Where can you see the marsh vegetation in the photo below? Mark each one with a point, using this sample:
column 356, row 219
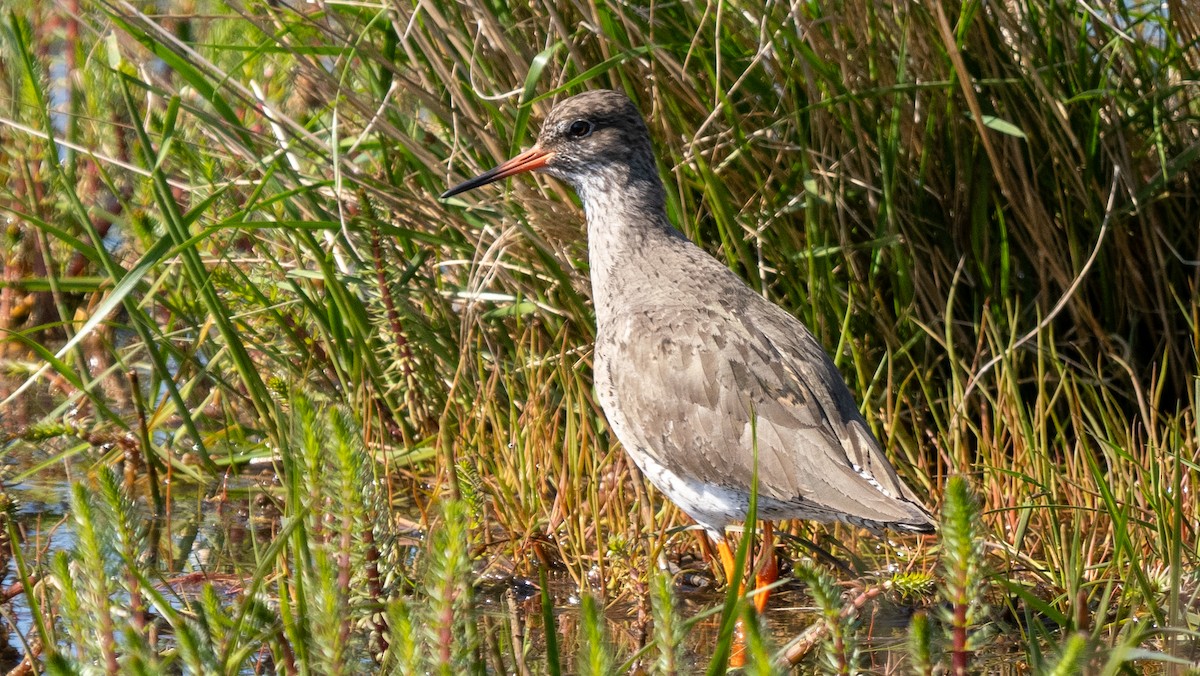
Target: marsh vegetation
column 267, row 405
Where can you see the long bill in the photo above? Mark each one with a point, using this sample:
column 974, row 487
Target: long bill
column 534, row 158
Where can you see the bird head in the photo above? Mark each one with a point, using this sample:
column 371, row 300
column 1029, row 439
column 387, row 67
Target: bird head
column 583, row 138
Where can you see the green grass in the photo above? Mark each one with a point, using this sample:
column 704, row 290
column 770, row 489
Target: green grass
column 223, row 247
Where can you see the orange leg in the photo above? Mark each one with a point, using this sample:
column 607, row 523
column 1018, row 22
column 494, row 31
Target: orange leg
column 766, row 573
column 737, row 653
column 727, row 562
column 767, row 570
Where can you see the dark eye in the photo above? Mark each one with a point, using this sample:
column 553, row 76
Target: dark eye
column 580, row 129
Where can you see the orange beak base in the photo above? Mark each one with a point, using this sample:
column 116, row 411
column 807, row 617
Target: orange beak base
column 534, row 158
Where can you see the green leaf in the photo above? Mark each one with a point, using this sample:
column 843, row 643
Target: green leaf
column 1003, row 126
column 527, row 94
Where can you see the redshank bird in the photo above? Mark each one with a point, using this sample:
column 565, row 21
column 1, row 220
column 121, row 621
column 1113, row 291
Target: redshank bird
column 690, row 362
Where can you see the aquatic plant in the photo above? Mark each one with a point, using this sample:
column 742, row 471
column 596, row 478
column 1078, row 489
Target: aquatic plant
column 984, row 211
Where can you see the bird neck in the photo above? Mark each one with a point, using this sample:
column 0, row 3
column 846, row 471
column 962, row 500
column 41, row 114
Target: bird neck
column 627, row 226
column 624, row 204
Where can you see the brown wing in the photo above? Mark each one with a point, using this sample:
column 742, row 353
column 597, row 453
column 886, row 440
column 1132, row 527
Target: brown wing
column 689, row 394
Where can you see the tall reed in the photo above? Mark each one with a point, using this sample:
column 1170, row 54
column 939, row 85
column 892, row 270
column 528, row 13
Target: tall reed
column 984, row 211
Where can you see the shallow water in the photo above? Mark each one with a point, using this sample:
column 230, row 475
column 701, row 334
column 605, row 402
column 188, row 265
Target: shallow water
column 214, row 532
column 210, row 533
column 517, row 602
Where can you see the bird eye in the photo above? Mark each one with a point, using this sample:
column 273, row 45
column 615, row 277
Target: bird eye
column 580, row 129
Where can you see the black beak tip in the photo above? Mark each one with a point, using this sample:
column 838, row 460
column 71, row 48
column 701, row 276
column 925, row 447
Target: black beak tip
column 463, row 187
column 451, row 192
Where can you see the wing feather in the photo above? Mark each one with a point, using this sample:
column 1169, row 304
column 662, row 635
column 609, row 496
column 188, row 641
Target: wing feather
column 688, row 389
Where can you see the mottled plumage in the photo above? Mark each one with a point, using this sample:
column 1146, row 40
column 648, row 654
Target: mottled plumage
column 687, row 355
